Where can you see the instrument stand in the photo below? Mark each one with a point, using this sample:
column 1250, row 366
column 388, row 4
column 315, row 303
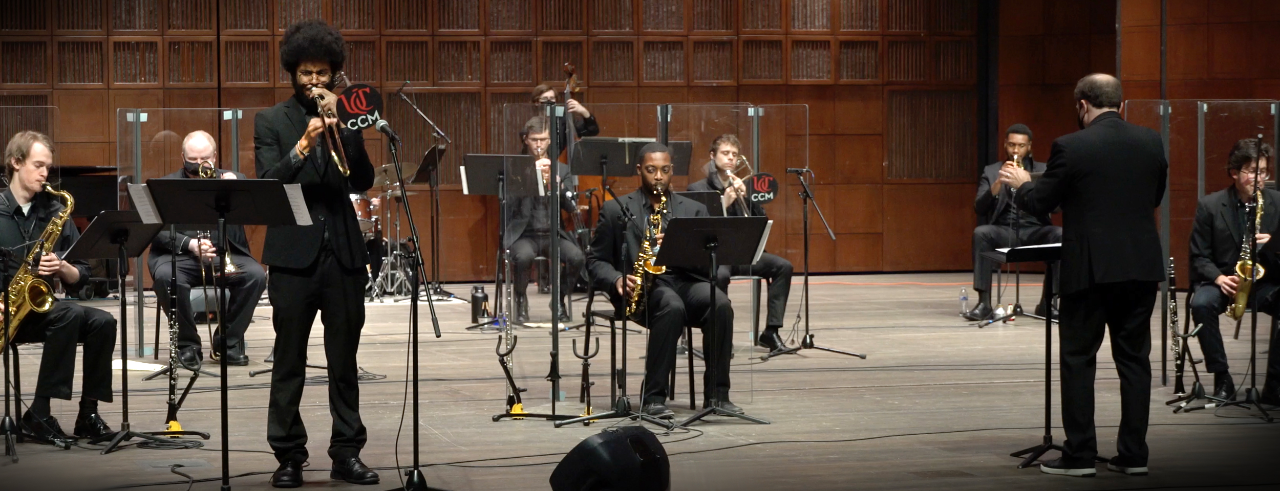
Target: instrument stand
column 487, row 175
column 1252, row 395
column 515, row 405
column 1197, row 389
column 7, row 425
column 806, row 343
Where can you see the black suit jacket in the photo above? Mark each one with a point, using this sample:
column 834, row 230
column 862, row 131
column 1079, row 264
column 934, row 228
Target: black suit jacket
column 1216, row 236
column 44, row 206
column 236, row 238
column 1108, row 179
column 605, row 261
column 713, row 184
column 521, row 212
column 990, row 207
column 275, row 132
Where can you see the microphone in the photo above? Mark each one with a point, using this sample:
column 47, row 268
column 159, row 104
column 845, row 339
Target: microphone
column 385, row 127
column 793, row 170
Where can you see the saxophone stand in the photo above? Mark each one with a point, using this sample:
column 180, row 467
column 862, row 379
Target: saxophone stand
column 1251, row 394
column 7, row 425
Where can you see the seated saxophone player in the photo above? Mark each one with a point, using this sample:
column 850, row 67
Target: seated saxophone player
column 25, row 212
column 1004, row 225
column 197, row 249
column 1217, row 238
column 775, row 270
column 667, row 302
column 528, row 232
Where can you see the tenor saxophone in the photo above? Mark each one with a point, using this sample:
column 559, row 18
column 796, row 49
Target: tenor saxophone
column 27, row 291
column 644, row 269
column 1244, row 267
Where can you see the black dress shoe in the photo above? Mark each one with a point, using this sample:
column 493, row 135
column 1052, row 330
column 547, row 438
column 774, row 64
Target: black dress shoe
column 189, row 357
column 235, row 355
column 46, row 430
column 772, row 340
column 288, row 475
column 1223, row 386
column 522, row 308
column 91, row 426
column 980, row 312
column 657, row 410
column 1052, row 311
column 353, row 471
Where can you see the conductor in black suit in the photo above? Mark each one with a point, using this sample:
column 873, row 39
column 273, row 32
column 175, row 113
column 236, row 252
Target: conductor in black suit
column 1108, row 178
column 1005, row 225
column 318, row 267
column 1222, row 220
column 675, row 299
column 244, row 287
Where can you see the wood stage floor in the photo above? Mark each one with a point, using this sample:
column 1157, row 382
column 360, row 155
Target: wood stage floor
column 938, row 404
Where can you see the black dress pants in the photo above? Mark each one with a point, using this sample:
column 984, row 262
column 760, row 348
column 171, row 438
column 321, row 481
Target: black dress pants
column 60, row 329
column 243, row 292
column 776, row 271
column 1126, row 309
column 676, row 300
column 296, row 296
column 988, row 238
column 1207, row 306
column 529, row 246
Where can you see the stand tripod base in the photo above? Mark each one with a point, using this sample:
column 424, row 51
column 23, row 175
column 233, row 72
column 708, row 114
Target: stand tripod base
column 165, row 371
column 1251, row 399
column 621, row 409
column 1196, row 392
column 413, row 481
column 10, row 430
column 719, row 412
column 1034, row 453
column 156, row 436
column 807, row 343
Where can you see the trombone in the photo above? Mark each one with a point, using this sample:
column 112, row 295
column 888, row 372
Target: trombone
column 731, row 179
column 331, row 136
column 208, row 171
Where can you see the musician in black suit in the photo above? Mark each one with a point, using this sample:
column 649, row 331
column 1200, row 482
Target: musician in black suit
column 318, row 267
column 774, row 269
column 1222, row 219
column 673, row 300
column 244, row 288
column 1003, row 224
column 1108, row 178
column 528, row 229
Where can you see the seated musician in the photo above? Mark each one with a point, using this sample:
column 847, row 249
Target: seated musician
column 196, row 250
column 25, row 212
column 528, row 230
column 584, row 124
column 774, row 269
column 1216, row 241
column 670, row 301
column 1001, row 220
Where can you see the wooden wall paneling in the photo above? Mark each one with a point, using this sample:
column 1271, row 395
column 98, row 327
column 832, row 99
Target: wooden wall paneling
column 459, row 17
column 859, row 60
column 613, row 17
column 907, row 16
column 714, row 17
column 924, row 230
column 83, row 116
column 713, row 94
column 811, row 16
column 664, row 61
column 407, row 17
column 761, row 17
column 811, row 59
column 859, row 159
column 561, row 17
column 664, row 17
column 459, row 61
column 156, row 122
column 248, row 97
column 713, row 61
column 80, row 62
column 80, row 17
column 190, row 17
column 249, row 61
column 762, row 60
column 929, row 135
column 859, row 16
column 504, row 123
column 287, row 12
column 1136, row 62
column 511, row 18
column 468, row 233
column 958, row 17
column 26, row 62
column 455, row 111
column 190, row 97
column 190, row 62
column 356, row 17
column 955, row 61
column 26, row 18
column 907, row 60
column 137, row 17
column 246, row 17
column 1068, row 66
column 822, row 113
column 364, row 60
column 22, row 111
column 84, row 154
column 136, row 62
column 613, row 61
column 407, row 58
column 554, row 52
column 859, row 252
column 512, row 61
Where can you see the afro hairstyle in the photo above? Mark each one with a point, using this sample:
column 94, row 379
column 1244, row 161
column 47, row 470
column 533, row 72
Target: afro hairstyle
column 312, row 40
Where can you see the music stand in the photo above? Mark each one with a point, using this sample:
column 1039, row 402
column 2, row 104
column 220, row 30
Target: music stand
column 429, row 171
column 711, row 199
column 502, row 176
column 221, row 201
column 703, row 244
column 120, row 235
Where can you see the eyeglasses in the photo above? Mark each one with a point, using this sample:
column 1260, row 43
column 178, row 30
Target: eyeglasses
column 323, row 74
column 1254, row 172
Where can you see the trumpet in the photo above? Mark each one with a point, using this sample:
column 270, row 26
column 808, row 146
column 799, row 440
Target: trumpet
column 331, row 136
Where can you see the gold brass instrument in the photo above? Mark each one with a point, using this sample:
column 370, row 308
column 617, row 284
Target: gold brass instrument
column 331, row 136
column 28, row 292
column 1245, row 266
column 229, row 268
column 644, row 269
column 731, row 178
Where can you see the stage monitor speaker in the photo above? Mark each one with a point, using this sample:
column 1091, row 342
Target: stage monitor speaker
column 627, row 458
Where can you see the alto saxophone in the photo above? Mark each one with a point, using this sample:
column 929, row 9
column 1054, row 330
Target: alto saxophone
column 1244, row 267
column 644, row 269
column 28, row 292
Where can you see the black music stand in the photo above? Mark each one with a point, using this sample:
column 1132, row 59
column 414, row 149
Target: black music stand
column 711, row 199
column 704, row 243
column 502, row 176
column 429, row 171
column 221, row 201
column 120, row 235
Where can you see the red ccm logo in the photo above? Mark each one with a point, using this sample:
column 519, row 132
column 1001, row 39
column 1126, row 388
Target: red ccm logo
column 359, row 107
column 764, row 188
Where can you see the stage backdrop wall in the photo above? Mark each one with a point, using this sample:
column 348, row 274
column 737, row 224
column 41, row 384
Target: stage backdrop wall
column 890, row 85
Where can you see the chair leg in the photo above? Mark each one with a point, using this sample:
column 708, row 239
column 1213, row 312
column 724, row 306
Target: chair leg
column 155, row 351
column 17, row 384
column 755, row 311
column 688, row 343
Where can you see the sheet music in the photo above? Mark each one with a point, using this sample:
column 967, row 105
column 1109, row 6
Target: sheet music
column 140, row 196
column 1005, row 250
column 298, row 204
column 463, row 171
column 763, row 239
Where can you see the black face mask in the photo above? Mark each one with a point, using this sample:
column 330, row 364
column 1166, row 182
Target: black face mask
column 1079, row 119
column 193, row 168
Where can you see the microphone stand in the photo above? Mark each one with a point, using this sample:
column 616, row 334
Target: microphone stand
column 7, row 425
column 434, row 287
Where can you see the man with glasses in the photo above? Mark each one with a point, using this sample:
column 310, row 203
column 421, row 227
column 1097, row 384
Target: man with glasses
column 1222, row 219
column 1002, row 223
column 196, row 250
column 584, row 123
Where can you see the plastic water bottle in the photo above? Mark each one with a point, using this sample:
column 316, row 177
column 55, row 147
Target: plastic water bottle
column 964, row 301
